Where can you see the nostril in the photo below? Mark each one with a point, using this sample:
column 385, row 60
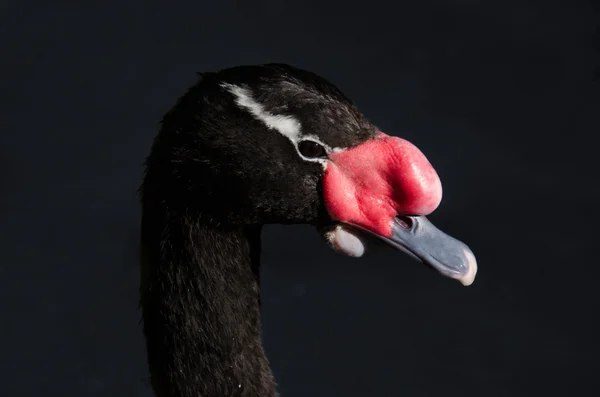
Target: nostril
column 404, row 221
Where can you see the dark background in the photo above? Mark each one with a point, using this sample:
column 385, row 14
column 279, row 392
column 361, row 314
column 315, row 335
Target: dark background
column 503, row 98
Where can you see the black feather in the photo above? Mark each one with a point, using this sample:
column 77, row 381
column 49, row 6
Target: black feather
column 214, row 175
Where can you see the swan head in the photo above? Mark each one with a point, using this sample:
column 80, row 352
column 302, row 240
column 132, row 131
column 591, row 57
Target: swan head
column 272, row 143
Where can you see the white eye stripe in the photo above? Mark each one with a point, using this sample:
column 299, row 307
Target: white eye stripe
column 287, row 126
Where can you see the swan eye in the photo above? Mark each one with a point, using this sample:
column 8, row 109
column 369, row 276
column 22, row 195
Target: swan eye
column 311, row 149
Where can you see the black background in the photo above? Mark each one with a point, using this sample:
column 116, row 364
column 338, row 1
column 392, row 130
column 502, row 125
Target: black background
column 503, row 98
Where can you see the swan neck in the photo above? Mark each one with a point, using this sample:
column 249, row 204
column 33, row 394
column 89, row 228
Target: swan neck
column 200, row 300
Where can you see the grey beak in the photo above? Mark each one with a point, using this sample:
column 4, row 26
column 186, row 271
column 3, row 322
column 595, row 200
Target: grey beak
column 418, row 237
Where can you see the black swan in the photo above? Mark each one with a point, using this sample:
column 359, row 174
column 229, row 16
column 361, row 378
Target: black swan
column 254, row 145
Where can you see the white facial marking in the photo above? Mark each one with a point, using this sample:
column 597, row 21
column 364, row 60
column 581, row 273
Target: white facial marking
column 287, row 126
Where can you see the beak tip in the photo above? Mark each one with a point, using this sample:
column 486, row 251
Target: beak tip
column 469, row 277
